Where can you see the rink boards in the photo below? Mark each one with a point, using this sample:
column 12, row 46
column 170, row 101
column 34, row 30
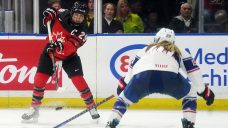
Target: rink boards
column 105, row 59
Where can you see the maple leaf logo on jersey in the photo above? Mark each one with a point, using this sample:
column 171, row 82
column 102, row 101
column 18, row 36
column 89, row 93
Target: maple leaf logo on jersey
column 58, row 36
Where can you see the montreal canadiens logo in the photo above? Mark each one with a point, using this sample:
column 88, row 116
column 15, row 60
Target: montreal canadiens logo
column 119, row 61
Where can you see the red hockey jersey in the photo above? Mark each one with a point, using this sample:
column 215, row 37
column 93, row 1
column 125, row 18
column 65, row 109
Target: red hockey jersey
column 72, row 36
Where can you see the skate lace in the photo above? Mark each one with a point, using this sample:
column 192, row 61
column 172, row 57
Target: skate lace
column 31, row 113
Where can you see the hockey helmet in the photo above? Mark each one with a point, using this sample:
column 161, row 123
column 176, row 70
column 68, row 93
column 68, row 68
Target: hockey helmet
column 79, row 7
column 164, row 34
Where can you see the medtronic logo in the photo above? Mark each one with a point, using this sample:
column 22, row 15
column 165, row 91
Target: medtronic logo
column 119, row 61
column 215, row 63
column 211, row 58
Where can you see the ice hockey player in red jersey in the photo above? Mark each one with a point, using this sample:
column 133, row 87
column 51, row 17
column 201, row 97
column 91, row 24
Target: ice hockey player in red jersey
column 68, row 36
column 157, row 69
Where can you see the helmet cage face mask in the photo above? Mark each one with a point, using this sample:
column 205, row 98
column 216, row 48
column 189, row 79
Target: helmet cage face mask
column 165, row 34
column 80, row 8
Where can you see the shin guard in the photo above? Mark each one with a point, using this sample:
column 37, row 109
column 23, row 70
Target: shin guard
column 39, row 88
column 120, row 107
column 189, row 108
column 81, row 85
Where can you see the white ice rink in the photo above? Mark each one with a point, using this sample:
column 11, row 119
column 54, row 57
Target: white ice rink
column 11, row 118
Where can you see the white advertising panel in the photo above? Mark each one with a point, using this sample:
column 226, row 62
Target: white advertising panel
column 105, row 59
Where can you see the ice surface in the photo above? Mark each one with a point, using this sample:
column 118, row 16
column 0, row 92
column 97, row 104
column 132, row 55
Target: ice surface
column 49, row 117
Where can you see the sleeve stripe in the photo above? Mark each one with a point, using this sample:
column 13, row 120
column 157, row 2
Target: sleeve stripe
column 192, row 111
column 134, row 61
column 187, row 58
column 190, row 65
column 190, row 97
column 195, row 69
column 137, row 57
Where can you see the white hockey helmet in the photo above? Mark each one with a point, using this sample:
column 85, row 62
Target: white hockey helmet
column 164, row 34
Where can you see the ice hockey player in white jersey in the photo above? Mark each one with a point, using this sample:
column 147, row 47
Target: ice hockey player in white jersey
column 156, row 69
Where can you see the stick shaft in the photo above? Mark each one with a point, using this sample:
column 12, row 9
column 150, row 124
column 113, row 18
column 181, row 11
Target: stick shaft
column 52, row 54
column 49, row 31
column 84, row 111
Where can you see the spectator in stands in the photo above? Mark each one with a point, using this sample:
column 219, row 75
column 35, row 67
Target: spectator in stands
column 56, row 4
column 132, row 23
column 109, row 24
column 151, row 25
column 219, row 24
column 137, row 8
column 90, row 13
column 184, row 23
column 220, row 16
column 210, row 7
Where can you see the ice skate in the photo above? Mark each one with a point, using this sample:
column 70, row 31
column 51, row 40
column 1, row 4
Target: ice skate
column 94, row 114
column 187, row 124
column 112, row 124
column 31, row 116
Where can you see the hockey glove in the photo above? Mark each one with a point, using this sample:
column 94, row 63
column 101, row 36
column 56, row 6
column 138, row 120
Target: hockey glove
column 121, row 85
column 56, row 45
column 207, row 95
column 49, row 15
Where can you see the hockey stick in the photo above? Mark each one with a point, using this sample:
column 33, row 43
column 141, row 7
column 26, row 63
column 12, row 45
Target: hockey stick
column 59, row 89
column 83, row 112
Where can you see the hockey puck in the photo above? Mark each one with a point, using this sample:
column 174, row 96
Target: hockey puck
column 58, row 108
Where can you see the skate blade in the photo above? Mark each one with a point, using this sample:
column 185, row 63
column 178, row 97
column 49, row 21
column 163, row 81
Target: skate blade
column 97, row 116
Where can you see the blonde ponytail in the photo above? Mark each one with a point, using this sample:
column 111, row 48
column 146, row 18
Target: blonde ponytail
column 168, row 46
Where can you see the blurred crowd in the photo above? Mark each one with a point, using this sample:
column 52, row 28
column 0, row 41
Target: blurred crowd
column 148, row 16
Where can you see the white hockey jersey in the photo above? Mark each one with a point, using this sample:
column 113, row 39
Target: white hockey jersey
column 157, row 58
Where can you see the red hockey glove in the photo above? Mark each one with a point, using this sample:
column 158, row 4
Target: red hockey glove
column 49, row 15
column 121, row 85
column 56, row 45
column 207, row 95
